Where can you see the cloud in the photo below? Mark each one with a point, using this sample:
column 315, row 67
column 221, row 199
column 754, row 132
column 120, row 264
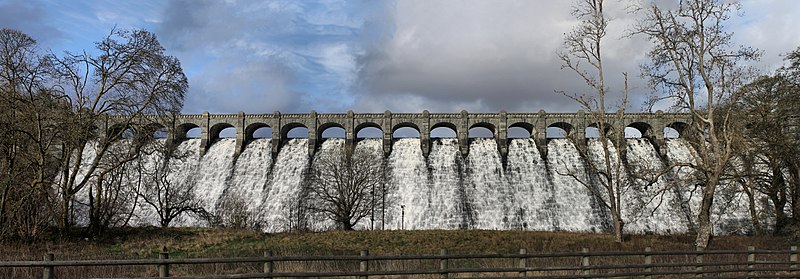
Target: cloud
column 481, row 56
column 30, row 18
column 264, row 56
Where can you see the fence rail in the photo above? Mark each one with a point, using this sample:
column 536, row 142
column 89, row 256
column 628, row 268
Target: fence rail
column 750, row 263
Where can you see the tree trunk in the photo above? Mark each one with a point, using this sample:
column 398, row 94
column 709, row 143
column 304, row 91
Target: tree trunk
column 618, row 225
column 704, row 226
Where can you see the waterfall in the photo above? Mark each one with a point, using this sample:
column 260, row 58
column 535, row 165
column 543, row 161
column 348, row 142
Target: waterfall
column 444, row 190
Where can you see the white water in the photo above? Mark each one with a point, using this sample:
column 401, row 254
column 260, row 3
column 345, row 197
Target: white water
column 445, row 190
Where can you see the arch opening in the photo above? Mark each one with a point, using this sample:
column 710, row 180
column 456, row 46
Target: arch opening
column 671, row 133
column 592, row 132
column 675, row 130
column 193, row 133
column 632, row 133
column 481, row 130
column 520, row 130
column 405, row 132
column 443, row 132
column 333, row 132
column 262, row 133
column 221, row 131
column 518, row 133
column 369, row 133
column 558, row 130
column 297, row 133
column 257, row 131
column 368, row 130
column 160, row 133
column 227, row 133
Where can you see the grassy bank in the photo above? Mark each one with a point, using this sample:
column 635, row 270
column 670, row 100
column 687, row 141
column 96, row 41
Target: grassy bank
column 212, row 242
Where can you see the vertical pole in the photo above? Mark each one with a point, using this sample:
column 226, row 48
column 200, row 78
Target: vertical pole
column 523, row 262
column 49, row 271
column 268, row 265
column 163, row 269
column 402, row 216
column 751, row 259
column 443, row 263
column 793, row 259
column 364, row 263
column 585, row 261
column 648, row 260
column 699, row 259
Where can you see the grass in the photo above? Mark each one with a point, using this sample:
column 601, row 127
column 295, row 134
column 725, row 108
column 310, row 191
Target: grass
column 220, row 242
column 137, row 243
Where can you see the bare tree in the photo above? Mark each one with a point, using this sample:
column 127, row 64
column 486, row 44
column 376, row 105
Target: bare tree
column 693, row 65
column 30, row 115
column 160, row 189
column 583, row 56
column 131, row 79
column 343, row 187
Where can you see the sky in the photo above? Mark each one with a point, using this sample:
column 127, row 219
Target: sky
column 372, row 56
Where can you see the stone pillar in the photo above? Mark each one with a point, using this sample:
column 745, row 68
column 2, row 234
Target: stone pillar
column 463, row 134
column 241, row 139
column 658, row 134
column 312, row 132
column 171, row 130
column 540, row 136
column 386, row 127
column 349, row 134
column 501, row 135
column 204, row 133
column 578, row 133
column 425, row 133
column 276, row 136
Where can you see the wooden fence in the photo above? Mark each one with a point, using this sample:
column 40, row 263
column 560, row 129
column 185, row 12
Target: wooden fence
column 750, row 263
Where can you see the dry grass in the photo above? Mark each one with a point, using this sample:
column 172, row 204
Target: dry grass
column 212, row 242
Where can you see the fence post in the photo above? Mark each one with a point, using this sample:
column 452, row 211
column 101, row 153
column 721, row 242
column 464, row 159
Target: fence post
column 163, row 268
column 523, row 262
column 49, row 271
column 585, row 260
column 364, row 263
column 268, row 265
column 648, row 260
column 793, row 259
column 443, row 263
column 699, row 260
column 751, row 259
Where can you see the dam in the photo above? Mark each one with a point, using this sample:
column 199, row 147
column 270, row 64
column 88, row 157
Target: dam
column 495, row 183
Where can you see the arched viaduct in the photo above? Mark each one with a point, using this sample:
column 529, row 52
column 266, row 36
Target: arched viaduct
column 650, row 125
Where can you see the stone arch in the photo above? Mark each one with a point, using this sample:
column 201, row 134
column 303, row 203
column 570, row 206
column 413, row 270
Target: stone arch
column 118, row 131
column 406, row 125
column 488, row 126
column 680, row 127
column 325, row 126
column 530, row 128
column 251, row 129
column 365, row 125
column 447, row 125
column 182, row 130
column 568, row 129
column 214, row 132
column 608, row 130
column 289, row 126
column 644, row 128
column 152, row 128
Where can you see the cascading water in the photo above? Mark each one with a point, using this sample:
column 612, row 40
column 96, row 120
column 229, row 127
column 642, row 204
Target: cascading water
column 408, row 195
column 444, row 190
column 572, row 202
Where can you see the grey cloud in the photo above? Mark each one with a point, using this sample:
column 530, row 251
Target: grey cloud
column 485, row 56
column 28, row 17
